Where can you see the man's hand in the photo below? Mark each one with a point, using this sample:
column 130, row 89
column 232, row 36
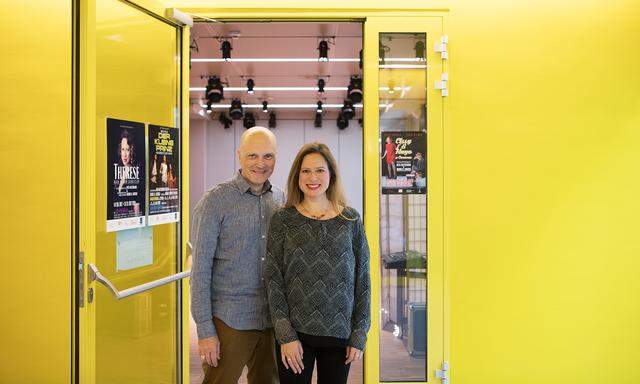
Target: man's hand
column 210, row 350
column 292, row 356
column 353, row 354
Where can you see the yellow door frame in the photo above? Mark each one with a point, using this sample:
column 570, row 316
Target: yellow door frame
column 87, row 172
column 375, row 19
column 437, row 330
column 431, row 21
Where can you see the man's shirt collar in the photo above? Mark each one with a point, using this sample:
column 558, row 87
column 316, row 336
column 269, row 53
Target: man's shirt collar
column 243, row 185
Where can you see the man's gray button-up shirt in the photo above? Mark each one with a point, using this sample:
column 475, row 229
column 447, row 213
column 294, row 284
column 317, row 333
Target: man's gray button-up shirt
column 229, row 229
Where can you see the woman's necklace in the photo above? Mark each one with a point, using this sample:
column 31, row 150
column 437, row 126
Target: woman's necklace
column 316, row 216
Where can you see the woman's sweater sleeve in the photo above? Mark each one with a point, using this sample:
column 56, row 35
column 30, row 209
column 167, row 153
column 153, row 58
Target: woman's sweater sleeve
column 361, row 319
column 275, row 270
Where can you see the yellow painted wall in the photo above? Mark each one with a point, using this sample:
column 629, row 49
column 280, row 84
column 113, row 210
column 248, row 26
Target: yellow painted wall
column 543, row 185
column 544, row 191
column 35, row 229
column 542, row 188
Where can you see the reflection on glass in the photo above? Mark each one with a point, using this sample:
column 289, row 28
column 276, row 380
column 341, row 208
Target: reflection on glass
column 403, row 207
column 136, row 339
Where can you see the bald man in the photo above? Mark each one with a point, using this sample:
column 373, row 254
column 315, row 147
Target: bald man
column 228, row 296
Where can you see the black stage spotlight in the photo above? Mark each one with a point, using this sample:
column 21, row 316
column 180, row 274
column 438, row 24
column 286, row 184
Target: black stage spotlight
column 272, row 120
column 193, row 47
column 226, row 48
column 319, row 107
column 224, row 120
column 419, row 50
column 249, row 121
column 347, row 110
column 250, row 85
column 235, row 111
column 354, row 90
column 209, row 107
column 323, row 47
column 214, row 91
column 321, row 85
column 265, row 106
column 343, row 122
column 317, row 122
column 360, row 65
column 382, row 50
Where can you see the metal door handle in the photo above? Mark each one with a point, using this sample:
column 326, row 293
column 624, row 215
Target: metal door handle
column 94, row 274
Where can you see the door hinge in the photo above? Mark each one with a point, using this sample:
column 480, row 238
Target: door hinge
column 442, row 84
column 80, row 279
column 441, row 46
column 443, row 373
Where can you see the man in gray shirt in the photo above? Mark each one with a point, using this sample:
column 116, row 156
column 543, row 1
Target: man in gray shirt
column 228, row 296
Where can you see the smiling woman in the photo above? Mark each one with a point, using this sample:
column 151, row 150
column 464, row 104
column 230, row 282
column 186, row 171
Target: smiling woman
column 314, row 180
column 314, row 175
column 317, row 274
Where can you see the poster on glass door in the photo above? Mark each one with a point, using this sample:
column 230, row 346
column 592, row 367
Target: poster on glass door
column 404, row 165
column 126, row 189
column 164, row 175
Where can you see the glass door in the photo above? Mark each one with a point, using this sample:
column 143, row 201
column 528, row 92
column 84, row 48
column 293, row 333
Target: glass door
column 130, row 192
column 404, row 204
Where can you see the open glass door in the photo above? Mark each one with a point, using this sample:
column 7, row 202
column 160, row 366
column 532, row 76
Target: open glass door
column 131, row 220
column 404, row 197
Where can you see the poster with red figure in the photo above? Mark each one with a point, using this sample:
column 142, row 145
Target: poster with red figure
column 403, row 162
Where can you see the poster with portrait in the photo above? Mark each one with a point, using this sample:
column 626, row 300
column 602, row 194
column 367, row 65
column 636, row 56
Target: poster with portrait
column 126, row 188
column 404, row 162
column 164, row 175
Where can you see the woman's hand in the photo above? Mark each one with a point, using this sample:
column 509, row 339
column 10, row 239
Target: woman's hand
column 291, row 354
column 353, row 354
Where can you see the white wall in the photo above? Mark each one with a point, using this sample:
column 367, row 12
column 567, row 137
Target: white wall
column 213, row 158
column 196, row 161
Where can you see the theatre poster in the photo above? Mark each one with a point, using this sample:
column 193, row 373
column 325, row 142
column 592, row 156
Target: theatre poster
column 403, row 162
column 126, row 183
column 164, row 175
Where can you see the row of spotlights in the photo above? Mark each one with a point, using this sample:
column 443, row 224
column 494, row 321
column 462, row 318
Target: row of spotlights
column 236, row 108
column 294, row 106
column 323, row 50
column 347, row 112
column 390, row 88
column 248, row 120
column 214, row 92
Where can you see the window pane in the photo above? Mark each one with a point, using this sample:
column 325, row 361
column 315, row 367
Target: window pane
column 403, row 206
column 137, row 80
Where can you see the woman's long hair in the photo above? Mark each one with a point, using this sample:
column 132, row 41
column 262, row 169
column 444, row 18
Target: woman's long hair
column 335, row 193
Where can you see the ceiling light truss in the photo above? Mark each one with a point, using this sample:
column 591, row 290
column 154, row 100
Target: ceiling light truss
column 290, row 106
column 292, row 89
column 302, row 60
